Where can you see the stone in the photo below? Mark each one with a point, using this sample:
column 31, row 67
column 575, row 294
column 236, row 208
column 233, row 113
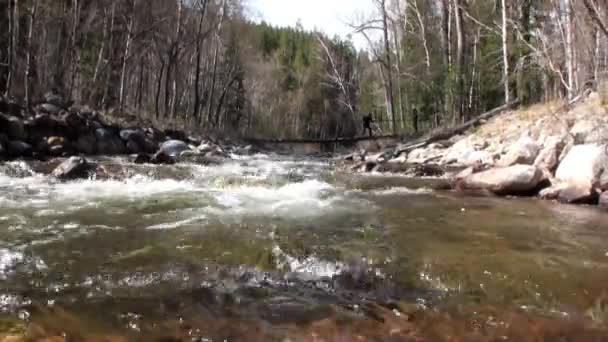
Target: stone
column 86, row 144
column 13, row 127
column 597, row 136
column 206, row 147
column 162, row 158
column 548, row 158
column 142, row 159
column 72, row 168
column 54, row 98
column 603, row 200
column 174, row 148
column 552, row 192
column 583, row 166
column 477, row 158
column 53, row 141
column 50, row 108
column 108, row 143
column 523, row 152
column 425, row 155
column 582, row 129
column 18, row 148
column 512, row 180
column 577, row 194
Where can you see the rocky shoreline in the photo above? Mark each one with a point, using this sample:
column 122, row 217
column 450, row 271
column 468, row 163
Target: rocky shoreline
column 56, row 131
column 552, row 151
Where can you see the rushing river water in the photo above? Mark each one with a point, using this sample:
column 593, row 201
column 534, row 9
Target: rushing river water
column 268, row 248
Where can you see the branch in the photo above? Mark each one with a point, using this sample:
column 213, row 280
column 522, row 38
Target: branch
column 595, row 16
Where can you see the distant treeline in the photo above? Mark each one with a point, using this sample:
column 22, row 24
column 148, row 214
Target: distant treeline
column 203, row 65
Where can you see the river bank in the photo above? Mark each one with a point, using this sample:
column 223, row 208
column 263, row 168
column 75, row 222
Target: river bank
column 552, row 151
column 57, row 130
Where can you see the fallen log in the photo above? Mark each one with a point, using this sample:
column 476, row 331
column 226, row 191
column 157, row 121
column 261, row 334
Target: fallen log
column 447, row 133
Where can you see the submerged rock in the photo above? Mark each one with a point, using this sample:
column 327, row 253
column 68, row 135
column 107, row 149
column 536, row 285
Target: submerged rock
column 72, row 168
column 513, row 180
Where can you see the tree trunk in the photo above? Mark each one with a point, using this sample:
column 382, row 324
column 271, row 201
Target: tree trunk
column 125, row 55
column 505, row 51
column 30, row 53
column 215, row 61
column 569, row 50
column 13, row 34
column 197, row 73
column 389, row 77
column 460, row 62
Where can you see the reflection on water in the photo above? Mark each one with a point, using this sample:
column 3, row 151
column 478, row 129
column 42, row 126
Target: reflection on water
column 265, row 247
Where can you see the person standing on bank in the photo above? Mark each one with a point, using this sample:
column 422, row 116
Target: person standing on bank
column 367, row 124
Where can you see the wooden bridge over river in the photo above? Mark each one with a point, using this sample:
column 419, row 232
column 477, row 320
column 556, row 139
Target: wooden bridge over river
column 313, row 146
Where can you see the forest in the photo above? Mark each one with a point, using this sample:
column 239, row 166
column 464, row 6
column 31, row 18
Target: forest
column 205, row 65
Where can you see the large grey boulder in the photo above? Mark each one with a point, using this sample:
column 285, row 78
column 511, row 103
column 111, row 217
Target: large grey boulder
column 512, row 180
column 583, row 166
column 72, row 168
column 174, row 148
column 523, row 152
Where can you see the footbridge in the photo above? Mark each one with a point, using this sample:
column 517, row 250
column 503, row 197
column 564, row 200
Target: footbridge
column 314, row 146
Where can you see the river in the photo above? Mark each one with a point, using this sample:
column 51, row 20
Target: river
column 267, row 247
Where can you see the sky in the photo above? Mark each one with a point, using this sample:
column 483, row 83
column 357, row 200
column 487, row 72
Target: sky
column 329, row 16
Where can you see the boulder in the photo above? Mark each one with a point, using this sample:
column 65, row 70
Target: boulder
column 583, row 166
column 72, row 168
column 174, row 148
column 552, row 192
column 425, row 155
column 137, row 141
column 523, row 152
column 54, row 98
column 18, row 148
column 13, row 127
column 548, row 158
column 603, row 200
column 142, row 159
column 86, row 144
column 512, row 180
column 108, row 143
column 577, row 194
column 206, row 147
column 583, row 129
column 50, row 108
column 162, row 158
column 597, row 136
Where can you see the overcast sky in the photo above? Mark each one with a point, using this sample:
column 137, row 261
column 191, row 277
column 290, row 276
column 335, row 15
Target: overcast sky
column 329, row 16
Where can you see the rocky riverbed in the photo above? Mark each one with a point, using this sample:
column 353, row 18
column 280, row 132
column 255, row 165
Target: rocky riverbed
column 553, row 151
